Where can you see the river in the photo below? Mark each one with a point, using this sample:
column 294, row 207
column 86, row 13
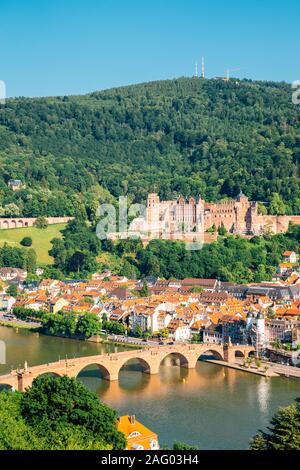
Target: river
column 211, row 407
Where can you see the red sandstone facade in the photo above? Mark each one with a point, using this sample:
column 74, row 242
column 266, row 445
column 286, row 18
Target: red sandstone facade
column 238, row 216
column 241, row 216
column 190, row 220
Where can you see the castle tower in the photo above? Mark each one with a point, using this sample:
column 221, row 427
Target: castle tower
column 260, row 325
column 242, row 214
column 190, row 214
column 254, row 223
column 200, row 216
column 249, row 321
column 153, row 212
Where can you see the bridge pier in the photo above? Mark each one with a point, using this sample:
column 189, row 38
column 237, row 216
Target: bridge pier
column 24, row 381
column 113, row 378
column 229, row 355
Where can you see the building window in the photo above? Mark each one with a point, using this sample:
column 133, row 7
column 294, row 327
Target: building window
column 134, row 434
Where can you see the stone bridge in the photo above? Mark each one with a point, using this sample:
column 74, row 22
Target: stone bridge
column 21, row 222
column 110, row 365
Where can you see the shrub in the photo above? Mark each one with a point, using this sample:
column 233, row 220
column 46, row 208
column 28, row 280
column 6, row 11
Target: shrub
column 27, row 241
column 41, row 223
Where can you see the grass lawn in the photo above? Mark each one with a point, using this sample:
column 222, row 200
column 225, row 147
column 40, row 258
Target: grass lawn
column 41, row 239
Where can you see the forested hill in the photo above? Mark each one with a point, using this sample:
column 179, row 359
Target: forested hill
column 187, row 136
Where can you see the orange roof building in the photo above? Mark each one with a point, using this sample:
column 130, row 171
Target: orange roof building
column 137, row 435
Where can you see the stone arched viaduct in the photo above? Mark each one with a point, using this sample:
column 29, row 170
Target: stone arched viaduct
column 21, row 222
column 111, row 364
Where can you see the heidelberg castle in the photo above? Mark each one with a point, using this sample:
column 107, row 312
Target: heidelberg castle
column 191, row 219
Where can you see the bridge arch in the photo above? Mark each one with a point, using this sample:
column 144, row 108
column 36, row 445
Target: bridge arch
column 48, row 374
column 239, row 353
column 210, row 353
column 176, row 359
column 20, row 223
column 137, row 364
column 13, row 224
column 87, row 371
column 5, row 224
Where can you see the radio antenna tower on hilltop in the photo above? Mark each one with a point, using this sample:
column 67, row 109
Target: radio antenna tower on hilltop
column 203, row 68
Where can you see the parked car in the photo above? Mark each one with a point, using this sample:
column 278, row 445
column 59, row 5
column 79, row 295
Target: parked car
column 9, row 317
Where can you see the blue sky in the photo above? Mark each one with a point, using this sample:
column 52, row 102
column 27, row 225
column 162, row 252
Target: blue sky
column 60, row 47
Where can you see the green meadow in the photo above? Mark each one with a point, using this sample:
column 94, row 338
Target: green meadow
column 41, row 239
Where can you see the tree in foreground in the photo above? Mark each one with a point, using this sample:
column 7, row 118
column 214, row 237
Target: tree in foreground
column 182, row 446
column 60, row 406
column 15, row 434
column 284, row 432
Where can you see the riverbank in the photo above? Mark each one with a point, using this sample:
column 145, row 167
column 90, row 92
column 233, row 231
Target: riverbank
column 19, row 325
column 250, row 370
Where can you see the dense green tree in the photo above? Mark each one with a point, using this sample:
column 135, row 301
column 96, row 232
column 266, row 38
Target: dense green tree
column 89, row 325
column 230, row 258
column 15, row 434
column 12, row 290
column 55, row 403
column 31, row 260
column 277, row 205
column 59, row 253
column 129, row 270
column 284, row 432
column 25, row 313
column 77, row 251
column 41, row 223
column 76, row 262
column 144, row 292
column 70, row 437
column 182, row 446
column 68, row 324
column 222, row 231
column 26, row 241
column 137, row 332
column 11, row 210
column 50, row 272
column 114, row 327
column 13, row 257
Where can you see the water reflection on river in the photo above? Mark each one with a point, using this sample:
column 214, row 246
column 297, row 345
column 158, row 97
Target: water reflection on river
column 212, row 407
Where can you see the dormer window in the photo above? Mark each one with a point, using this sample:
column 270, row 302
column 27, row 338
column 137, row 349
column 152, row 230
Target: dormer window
column 134, row 434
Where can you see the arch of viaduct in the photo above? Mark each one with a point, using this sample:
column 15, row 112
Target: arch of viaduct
column 111, row 364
